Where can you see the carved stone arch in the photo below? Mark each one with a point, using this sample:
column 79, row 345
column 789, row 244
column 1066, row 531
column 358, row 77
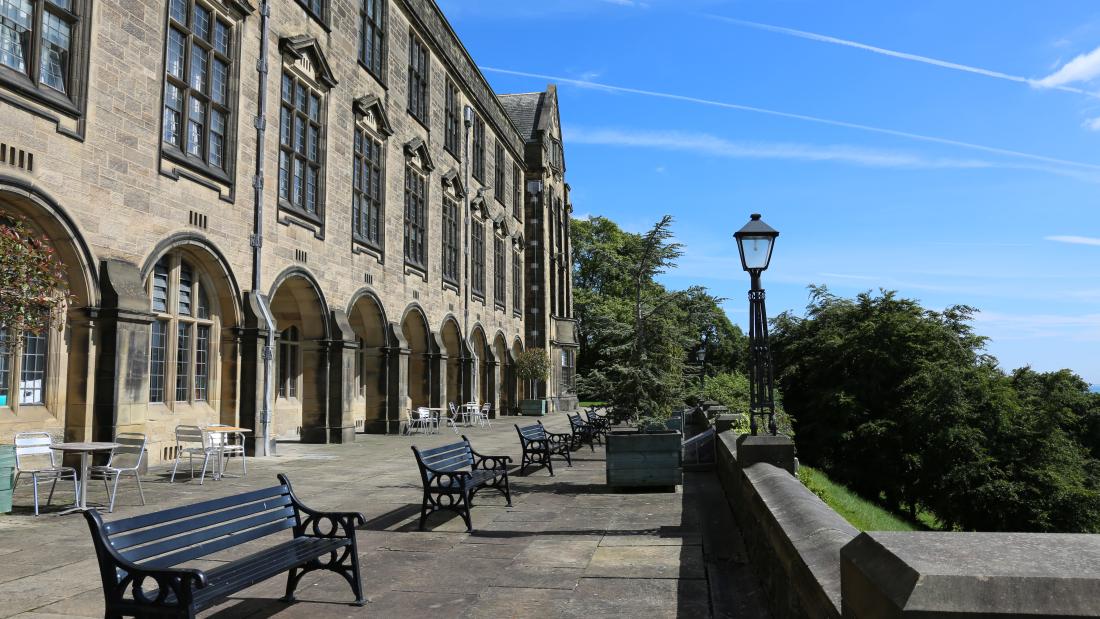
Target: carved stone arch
column 311, row 281
column 417, row 334
column 304, row 52
column 211, row 261
column 370, row 110
column 417, row 150
column 452, row 184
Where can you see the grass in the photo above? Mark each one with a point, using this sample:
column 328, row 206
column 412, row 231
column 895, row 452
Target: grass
column 591, row 404
column 861, row 513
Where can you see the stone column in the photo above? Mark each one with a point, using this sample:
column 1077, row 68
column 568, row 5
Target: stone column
column 122, row 364
column 437, row 370
column 397, row 391
column 253, row 339
column 468, row 373
column 491, row 383
column 339, row 424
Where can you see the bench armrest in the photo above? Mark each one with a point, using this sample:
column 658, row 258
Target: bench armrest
column 482, row 461
column 558, row 437
column 322, row 524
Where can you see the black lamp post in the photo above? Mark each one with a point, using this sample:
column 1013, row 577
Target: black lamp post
column 755, row 242
column 701, row 357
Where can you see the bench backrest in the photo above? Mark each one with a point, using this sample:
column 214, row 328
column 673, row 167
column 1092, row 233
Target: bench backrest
column 576, row 423
column 453, row 457
column 533, row 432
column 174, row 536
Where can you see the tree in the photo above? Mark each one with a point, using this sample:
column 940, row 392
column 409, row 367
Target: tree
column 33, row 289
column 533, row 365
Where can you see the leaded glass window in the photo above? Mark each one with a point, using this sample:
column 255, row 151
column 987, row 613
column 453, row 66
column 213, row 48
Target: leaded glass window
column 500, row 173
column 517, row 283
column 450, row 240
column 38, row 39
column 24, row 361
column 290, row 347
column 418, row 78
column 416, row 202
column 477, row 258
column 453, row 120
column 500, row 290
column 479, row 149
column 301, row 146
column 517, row 192
column 372, row 36
column 182, row 342
column 367, row 182
column 198, row 106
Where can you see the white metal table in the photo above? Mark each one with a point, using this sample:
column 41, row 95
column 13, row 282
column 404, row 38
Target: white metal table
column 225, row 431
column 85, row 450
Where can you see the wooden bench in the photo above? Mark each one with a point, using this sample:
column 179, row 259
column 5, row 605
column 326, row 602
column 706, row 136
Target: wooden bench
column 601, row 423
column 583, row 432
column 139, row 557
column 457, row 472
column 539, row 444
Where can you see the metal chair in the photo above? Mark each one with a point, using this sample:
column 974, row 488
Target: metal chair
column 415, row 422
column 29, row 449
column 190, row 435
column 427, row 418
column 124, row 460
column 221, row 441
column 483, row 414
column 455, row 416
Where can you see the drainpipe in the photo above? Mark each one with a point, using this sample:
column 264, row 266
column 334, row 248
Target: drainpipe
column 260, row 123
column 467, row 121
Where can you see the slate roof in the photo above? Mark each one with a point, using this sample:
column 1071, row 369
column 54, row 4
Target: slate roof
column 523, row 109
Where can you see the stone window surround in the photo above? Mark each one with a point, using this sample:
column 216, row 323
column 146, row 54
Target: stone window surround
column 419, row 99
column 379, row 25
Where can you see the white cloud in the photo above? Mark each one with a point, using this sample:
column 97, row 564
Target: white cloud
column 1002, row 326
column 943, row 64
column 1074, row 240
column 1092, row 124
column 803, row 117
column 1083, row 68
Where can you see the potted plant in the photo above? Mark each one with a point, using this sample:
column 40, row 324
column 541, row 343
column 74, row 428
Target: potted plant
column 532, row 367
column 648, row 456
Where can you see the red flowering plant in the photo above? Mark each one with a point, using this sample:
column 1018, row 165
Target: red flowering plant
column 34, row 292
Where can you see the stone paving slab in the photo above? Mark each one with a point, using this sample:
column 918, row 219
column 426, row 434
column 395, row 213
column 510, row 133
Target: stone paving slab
column 567, row 547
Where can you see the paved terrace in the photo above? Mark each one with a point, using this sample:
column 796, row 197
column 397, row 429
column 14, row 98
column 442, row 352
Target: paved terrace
column 568, row 547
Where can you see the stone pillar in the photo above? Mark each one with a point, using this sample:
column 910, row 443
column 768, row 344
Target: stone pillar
column 339, row 424
column 122, row 364
column 253, row 339
column 437, row 371
column 397, row 391
column 775, row 450
column 469, row 374
column 491, row 383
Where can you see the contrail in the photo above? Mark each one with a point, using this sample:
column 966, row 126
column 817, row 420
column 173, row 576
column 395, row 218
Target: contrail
column 813, row 36
column 803, row 117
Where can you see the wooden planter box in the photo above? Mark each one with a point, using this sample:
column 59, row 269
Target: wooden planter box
column 641, row 459
column 532, row 407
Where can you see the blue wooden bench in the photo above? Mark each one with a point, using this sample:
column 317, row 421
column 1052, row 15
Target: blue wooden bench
column 539, row 444
column 583, row 432
column 139, row 556
column 452, row 475
column 600, row 423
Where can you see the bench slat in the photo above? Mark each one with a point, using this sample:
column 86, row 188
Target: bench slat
column 208, row 548
column 429, row 453
column 456, row 460
column 122, row 542
column 168, row 515
column 197, row 538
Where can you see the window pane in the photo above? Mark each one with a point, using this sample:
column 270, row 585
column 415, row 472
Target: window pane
column 160, row 286
column 157, row 351
column 202, row 348
column 176, row 44
column 202, row 307
column 198, row 68
column 201, row 25
column 196, row 124
column 219, row 85
column 311, row 189
column 183, row 361
column 185, row 290
column 221, row 37
column 32, row 379
column 178, row 10
column 5, row 368
column 284, row 175
column 56, row 38
column 217, row 138
column 284, row 125
column 16, row 17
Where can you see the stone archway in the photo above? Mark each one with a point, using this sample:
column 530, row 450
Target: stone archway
column 370, row 390
column 414, row 328
column 452, row 346
column 56, row 394
column 301, row 359
column 502, row 402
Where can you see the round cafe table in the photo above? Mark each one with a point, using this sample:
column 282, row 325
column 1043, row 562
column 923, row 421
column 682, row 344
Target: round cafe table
column 224, row 431
column 85, row 450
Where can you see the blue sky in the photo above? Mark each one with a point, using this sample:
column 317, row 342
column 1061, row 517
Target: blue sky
column 948, row 150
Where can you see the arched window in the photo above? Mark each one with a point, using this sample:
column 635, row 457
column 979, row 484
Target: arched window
column 290, row 347
column 182, row 341
column 23, row 368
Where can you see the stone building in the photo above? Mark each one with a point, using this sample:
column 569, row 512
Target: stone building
column 300, row 216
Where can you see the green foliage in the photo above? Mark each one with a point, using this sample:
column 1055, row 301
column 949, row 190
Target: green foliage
column 638, row 339
column 900, row 404
column 859, row 512
column 533, row 364
column 651, row 424
column 33, row 288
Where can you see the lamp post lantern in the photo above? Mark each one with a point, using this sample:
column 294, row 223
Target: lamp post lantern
column 755, row 242
column 701, row 357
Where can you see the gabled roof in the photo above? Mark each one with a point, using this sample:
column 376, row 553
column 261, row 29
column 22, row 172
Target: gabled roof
column 523, row 109
column 305, row 46
column 416, row 146
column 453, row 179
column 371, row 104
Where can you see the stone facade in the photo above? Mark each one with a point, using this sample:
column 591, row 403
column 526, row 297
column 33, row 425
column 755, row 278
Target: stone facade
column 177, row 262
